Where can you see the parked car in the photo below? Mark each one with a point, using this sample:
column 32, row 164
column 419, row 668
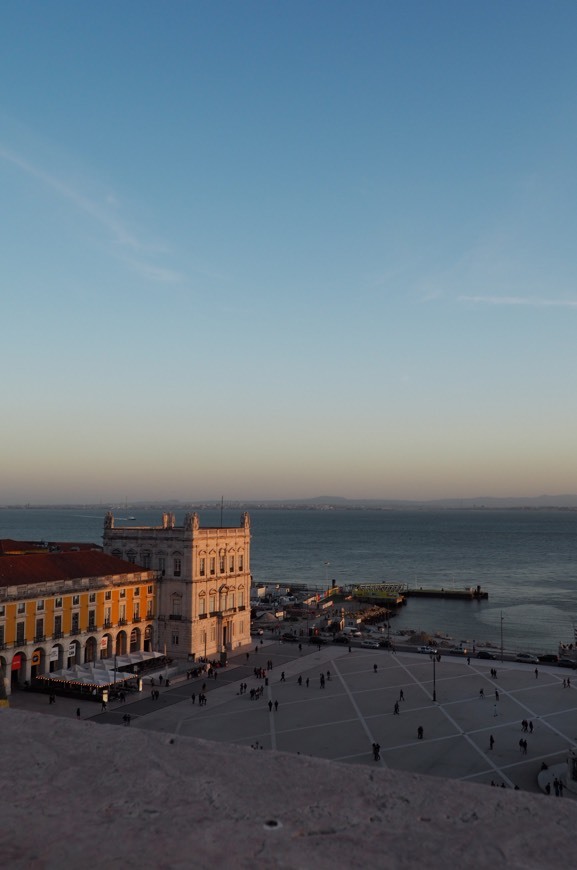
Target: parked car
column 386, row 643
column 527, row 657
column 341, row 638
column 483, row 654
column 549, row 657
column 567, row 663
column 370, row 644
column 317, row 640
column 456, row 651
column 427, row 650
column 288, row 637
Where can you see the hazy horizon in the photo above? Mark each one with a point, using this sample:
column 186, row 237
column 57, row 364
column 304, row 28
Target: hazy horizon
column 272, row 250
column 557, row 500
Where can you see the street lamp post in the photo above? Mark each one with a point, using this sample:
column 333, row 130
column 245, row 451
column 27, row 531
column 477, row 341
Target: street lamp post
column 434, row 678
column 501, row 636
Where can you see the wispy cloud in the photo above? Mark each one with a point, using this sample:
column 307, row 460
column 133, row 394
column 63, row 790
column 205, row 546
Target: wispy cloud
column 528, row 301
column 126, row 243
column 154, row 273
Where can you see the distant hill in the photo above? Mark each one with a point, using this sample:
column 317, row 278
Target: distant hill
column 337, row 502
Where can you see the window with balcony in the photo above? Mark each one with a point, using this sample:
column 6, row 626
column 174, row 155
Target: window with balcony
column 212, row 603
column 149, row 609
column 91, row 620
column 241, row 598
column 108, row 595
column 212, row 565
column 75, row 623
column 58, row 626
column 75, row 600
column 58, row 602
column 202, row 567
column 176, row 611
column 21, row 607
column 92, row 598
column 123, row 593
column 20, row 636
column 231, row 564
column 136, row 610
column 107, row 617
column 202, row 605
column 39, row 636
column 177, row 567
column 40, row 605
column 122, row 613
column 136, row 591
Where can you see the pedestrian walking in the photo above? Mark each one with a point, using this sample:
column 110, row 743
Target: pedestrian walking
column 420, row 732
column 496, row 695
column 275, row 706
column 530, row 727
column 270, row 706
column 481, row 693
column 401, row 695
column 375, row 668
column 282, row 678
column 307, row 682
column 78, row 712
column 193, row 697
column 536, row 673
column 396, row 708
column 491, row 741
column 300, row 680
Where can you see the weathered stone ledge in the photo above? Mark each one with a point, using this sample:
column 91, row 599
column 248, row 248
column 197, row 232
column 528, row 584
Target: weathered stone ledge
column 76, row 794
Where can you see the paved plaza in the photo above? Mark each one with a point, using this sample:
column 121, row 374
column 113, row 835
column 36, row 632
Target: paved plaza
column 356, row 708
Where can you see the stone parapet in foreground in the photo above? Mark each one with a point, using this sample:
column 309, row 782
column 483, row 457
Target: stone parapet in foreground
column 76, row 795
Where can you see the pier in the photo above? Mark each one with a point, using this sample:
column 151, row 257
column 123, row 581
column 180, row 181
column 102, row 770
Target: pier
column 396, row 594
column 469, row 593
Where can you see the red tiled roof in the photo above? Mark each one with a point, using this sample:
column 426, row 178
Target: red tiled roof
column 16, row 570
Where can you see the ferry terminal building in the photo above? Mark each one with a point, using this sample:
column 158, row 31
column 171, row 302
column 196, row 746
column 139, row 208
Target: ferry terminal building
column 181, row 590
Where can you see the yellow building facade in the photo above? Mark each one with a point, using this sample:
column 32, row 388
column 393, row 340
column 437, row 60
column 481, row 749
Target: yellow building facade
column 68, row 605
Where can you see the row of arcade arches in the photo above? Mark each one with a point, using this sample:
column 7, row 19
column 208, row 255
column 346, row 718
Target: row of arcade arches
column 69, row 652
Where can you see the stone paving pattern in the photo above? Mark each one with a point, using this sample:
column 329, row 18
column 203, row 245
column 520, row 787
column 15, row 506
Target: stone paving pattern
column 356, row 708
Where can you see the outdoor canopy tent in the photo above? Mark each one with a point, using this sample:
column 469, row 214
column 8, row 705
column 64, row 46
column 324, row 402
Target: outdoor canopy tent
column 93, row 675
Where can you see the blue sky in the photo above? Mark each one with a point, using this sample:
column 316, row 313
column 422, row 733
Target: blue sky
column 268, row 250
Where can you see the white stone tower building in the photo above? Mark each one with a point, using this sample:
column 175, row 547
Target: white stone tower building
column 204, row 581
